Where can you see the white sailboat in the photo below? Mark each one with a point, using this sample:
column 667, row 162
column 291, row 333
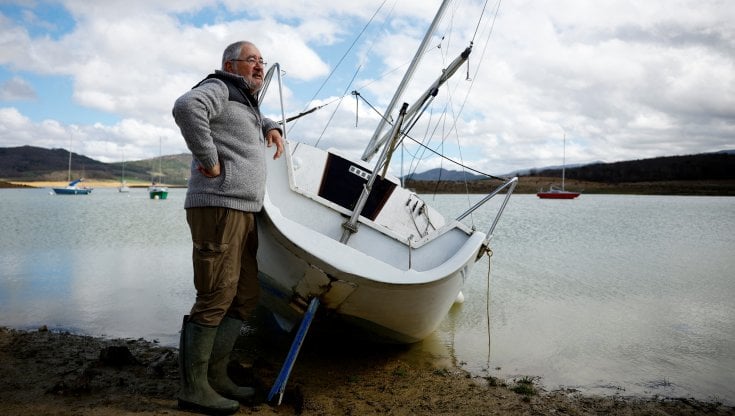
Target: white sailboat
column 376, row 255
column 559, row 193
column 123, row 188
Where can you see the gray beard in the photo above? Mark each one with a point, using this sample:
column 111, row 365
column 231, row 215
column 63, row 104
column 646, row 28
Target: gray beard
column 253, row 90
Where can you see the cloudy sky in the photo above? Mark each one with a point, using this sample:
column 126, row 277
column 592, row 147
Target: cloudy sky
column 619, row 79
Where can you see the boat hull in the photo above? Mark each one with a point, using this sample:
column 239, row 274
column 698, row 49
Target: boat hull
column 383, row 281
column 72, row 191
column 558, row 195
column 158, row 193
column 391, row 312
column 73, row 188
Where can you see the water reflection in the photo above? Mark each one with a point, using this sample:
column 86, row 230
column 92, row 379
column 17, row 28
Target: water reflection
column 605, row 294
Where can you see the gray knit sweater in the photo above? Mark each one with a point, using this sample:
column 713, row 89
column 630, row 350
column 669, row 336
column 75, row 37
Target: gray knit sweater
column 217, row 128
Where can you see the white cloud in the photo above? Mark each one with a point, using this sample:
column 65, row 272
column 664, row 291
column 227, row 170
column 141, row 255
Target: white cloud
column 11, row 119
column 621, row 80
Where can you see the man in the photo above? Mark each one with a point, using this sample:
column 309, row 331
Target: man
column 227, row 135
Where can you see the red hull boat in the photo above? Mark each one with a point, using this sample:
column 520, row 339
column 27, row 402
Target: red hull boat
column 557, row 194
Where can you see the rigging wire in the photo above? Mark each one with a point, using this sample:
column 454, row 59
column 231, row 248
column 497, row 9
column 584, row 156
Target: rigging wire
column 487, row 305
column 415, row 162
column 412, row 166
column 360, row 87
column 482, row 55
column 441, row 165
column 367, row 83
column 477, row 28
column 472, row 81
column 426, row 147
column 326, row 125
column 461, row 108
column 474, row 77
column 359, row 35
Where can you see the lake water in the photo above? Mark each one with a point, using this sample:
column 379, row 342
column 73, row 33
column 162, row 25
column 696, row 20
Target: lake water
column 614, row 294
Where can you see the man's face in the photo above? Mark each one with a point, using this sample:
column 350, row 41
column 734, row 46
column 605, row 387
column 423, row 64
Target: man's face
column 250, row 66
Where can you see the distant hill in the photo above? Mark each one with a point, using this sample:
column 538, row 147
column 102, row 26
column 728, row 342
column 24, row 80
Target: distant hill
column 36, row 163
column 175, row 169
column 702, row 174
column 30, row 163
column 443, row 175
column 714, row 171
column 534, row 171
column 703, row 166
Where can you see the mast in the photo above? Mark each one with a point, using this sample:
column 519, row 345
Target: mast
column 350, row 226
column 563, row 161
column 375, row 143
column 160, row 164
column 68, row 175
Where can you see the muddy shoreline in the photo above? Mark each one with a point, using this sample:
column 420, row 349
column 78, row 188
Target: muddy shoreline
column 58, row 373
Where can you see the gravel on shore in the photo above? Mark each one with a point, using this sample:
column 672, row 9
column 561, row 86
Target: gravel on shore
column 58, row 373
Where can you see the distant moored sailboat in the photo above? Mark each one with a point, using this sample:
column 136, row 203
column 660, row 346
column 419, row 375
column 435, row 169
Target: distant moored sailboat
column 123, row 183
column 157, row 191
column 554, row 192
column 72, row 188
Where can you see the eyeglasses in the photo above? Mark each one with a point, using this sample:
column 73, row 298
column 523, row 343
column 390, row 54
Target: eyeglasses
column 252, row 61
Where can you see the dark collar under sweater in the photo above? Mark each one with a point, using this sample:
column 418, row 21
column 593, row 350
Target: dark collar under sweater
column 236, row 85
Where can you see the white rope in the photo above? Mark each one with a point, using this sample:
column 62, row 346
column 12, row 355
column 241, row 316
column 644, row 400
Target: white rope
column 489, row 253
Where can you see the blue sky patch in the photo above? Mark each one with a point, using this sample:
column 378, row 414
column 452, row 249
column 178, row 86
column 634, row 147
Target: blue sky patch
column 46, row 19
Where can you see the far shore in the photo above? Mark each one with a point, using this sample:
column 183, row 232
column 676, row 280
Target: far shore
column 95, row 184
column 526, row 185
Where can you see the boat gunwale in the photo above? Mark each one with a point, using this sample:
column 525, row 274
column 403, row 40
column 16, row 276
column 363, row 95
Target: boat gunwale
column 393, row 274
column 450, row 223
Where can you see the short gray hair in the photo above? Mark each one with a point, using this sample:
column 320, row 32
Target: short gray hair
column 233, row 51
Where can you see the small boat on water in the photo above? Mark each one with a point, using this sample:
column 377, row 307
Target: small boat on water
column 373, row 254
column 156, row 190
column 73, row 189
column 554, row 191
column 557, row 193
column 123, row 183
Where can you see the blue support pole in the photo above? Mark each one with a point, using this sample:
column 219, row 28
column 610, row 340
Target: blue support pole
column 280, row 385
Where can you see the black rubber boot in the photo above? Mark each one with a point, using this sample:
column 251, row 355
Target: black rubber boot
column 195, row 348
column 227, row 333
